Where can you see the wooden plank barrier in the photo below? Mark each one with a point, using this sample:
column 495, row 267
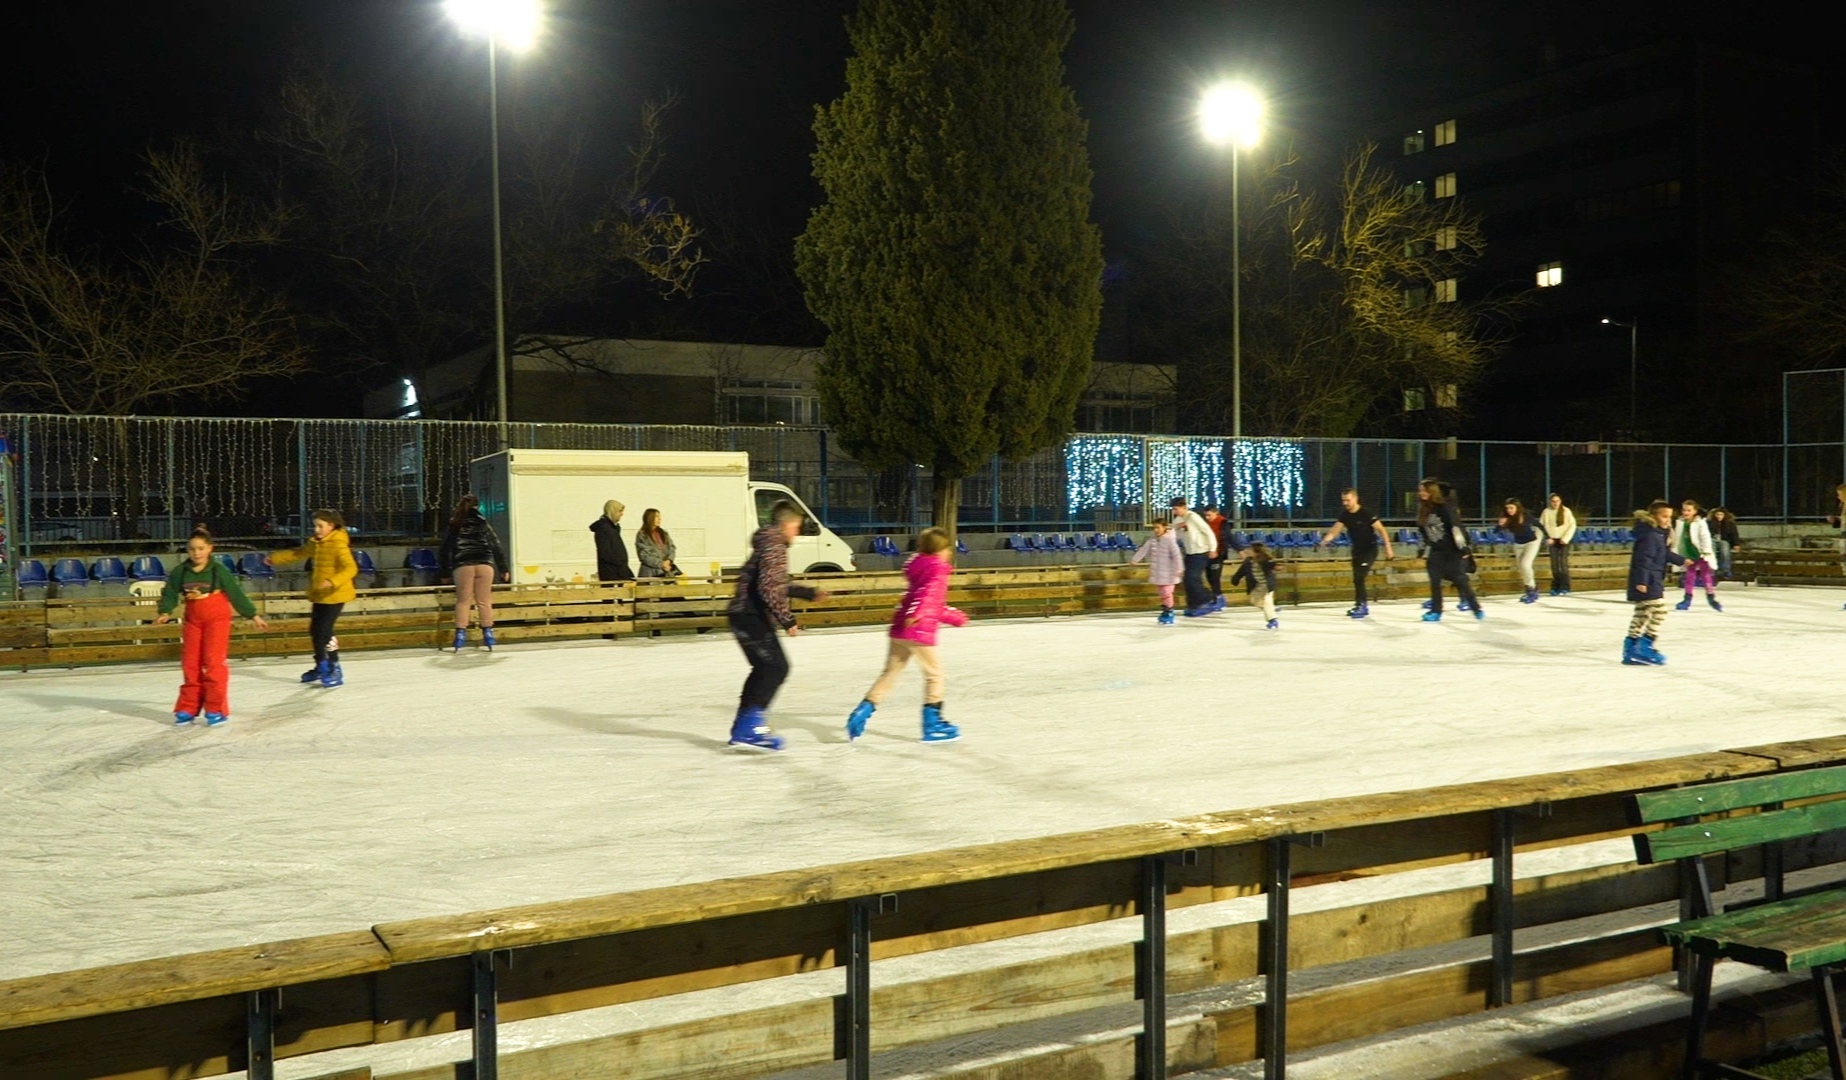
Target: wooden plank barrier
column 86, row 630
column 210, row 1013
column 1787, row 566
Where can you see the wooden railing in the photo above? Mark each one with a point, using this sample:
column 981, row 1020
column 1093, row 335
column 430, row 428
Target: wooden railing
column 87, row 630
column 205, row 1014
column 1787, row 566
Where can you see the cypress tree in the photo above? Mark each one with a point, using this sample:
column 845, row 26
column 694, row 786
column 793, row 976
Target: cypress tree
column 953, row 260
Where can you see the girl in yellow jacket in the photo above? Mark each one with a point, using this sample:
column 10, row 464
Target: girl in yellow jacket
column 330, row 586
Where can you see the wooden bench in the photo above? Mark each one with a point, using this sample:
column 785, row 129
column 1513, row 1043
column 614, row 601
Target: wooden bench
column 1802, row 933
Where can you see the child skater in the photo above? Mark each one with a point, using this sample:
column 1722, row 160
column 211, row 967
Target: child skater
column 924, row 608
column 1692, row 542
column 1518, row 524
column 1647, row 573
column 1166, row 567
column 1444, row 543
column 210, row 592
column 330, row 588
column 1258, row 573
column 757, row 612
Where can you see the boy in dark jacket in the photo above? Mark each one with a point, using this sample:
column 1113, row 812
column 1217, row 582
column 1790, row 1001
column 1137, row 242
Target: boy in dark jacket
column 1258, row 575
column 757, row 610
column 1647, row 573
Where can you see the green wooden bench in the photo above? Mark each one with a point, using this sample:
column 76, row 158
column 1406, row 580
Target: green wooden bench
column 1802, row 933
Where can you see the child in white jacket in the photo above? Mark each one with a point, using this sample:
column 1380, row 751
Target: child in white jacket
column 1165, row 567
column 1691, row 540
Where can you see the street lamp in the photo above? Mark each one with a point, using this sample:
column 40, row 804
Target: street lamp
column 513, row 24
column 1232, row 113
column 1633, row 326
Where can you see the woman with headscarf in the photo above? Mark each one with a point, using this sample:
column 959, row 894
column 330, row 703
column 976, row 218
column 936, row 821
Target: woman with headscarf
column 611, row 553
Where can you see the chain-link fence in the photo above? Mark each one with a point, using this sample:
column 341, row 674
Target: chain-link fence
column 103, row 480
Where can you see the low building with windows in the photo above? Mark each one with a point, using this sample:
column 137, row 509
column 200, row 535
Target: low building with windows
column 623, row 381
column 1614, row 191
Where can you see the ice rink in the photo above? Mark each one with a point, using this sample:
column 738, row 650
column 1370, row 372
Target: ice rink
column 434, row 783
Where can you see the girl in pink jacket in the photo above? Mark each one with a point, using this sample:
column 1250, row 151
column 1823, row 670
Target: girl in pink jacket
column 1165, row 567
column 913, row 635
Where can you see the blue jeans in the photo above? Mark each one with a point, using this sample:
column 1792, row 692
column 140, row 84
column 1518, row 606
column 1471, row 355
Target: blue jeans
column 1198, row 594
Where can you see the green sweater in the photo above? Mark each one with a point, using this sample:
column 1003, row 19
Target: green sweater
column 214, row 578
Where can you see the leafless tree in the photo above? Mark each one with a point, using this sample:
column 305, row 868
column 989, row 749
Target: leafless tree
column 1350, row 300
column 82, row 333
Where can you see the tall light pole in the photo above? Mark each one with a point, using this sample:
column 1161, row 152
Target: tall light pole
column 1633, row 326
column 513, row 24
column 1232, row 113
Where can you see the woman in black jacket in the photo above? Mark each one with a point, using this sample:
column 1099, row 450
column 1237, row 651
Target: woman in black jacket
column 1723, row 537
column 1444, row 545
column 472, row 557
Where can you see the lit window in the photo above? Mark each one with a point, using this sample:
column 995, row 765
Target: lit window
column 410, row 409
column 1445, row 186
column 1445, row 238
column 1413, row 143
column 1414, row 400
column 1446, row 397
column 1549, row 274
column 1414, row 192
column 1445, row 133
column 1446, row 291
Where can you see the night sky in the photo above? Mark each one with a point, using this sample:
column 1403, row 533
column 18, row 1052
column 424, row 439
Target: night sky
column 90, row 85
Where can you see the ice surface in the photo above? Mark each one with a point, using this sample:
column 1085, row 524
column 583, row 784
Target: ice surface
column 433, row 783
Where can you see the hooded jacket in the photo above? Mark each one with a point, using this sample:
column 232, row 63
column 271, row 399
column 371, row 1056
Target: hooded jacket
column 334, row 568
column 1247, row 573
column 925, row 606
column 1647, row 565
column 1165, row 565
column 611, row 553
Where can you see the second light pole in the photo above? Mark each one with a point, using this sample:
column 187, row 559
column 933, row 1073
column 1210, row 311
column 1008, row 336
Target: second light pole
column 513, row 24
column 1633, row 326
column 1232, row 114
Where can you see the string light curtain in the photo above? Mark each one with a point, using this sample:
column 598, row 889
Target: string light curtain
column 1192, row 469
column 1270, row 474
column 1104, row 470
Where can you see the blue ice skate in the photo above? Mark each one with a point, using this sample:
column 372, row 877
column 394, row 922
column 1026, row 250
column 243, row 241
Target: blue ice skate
column 461, row 640
column 1432, row 616
column 1429, row 605
column 750, row 732
column 213, row 719
column 181, row 719
column 1166, row 617
column 1713, row 601
column 316, row 673
column 1198, row 612
column 1478, row 614
column 935, row 728
column 855, row 721
column 1647, row 654
column 1272, row 625
column 1684, row 605
column 1530, row 597
column 1631, row 652
column 1359, row 612
column 334, row 677
column 487, row 638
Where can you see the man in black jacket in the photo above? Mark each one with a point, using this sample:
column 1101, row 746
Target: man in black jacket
column 611, row 552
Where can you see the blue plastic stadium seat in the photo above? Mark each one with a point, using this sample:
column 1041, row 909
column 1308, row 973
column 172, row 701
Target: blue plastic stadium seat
column 1017, row 542
column 1408, row 536
column 1065, row 543
column 148, row 568
column 960, row 548
column 1101, row 542
column 32, row 574
column 1084, row 542
column 1624, row 536
column 422, row 560
column 365, row 564
column 227, row 561
column 109, row 571
column 68, row 572
column 1123, row 542
column 252, row 565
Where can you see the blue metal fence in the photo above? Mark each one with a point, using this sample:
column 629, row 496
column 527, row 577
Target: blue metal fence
column 102, row 480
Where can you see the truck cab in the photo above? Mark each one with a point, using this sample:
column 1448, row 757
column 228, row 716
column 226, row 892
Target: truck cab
column 817, row 550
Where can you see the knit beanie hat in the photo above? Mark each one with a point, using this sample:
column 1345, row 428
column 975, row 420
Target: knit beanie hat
column 613, row 509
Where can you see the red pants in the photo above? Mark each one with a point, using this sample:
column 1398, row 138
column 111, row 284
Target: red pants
column 205, row 645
